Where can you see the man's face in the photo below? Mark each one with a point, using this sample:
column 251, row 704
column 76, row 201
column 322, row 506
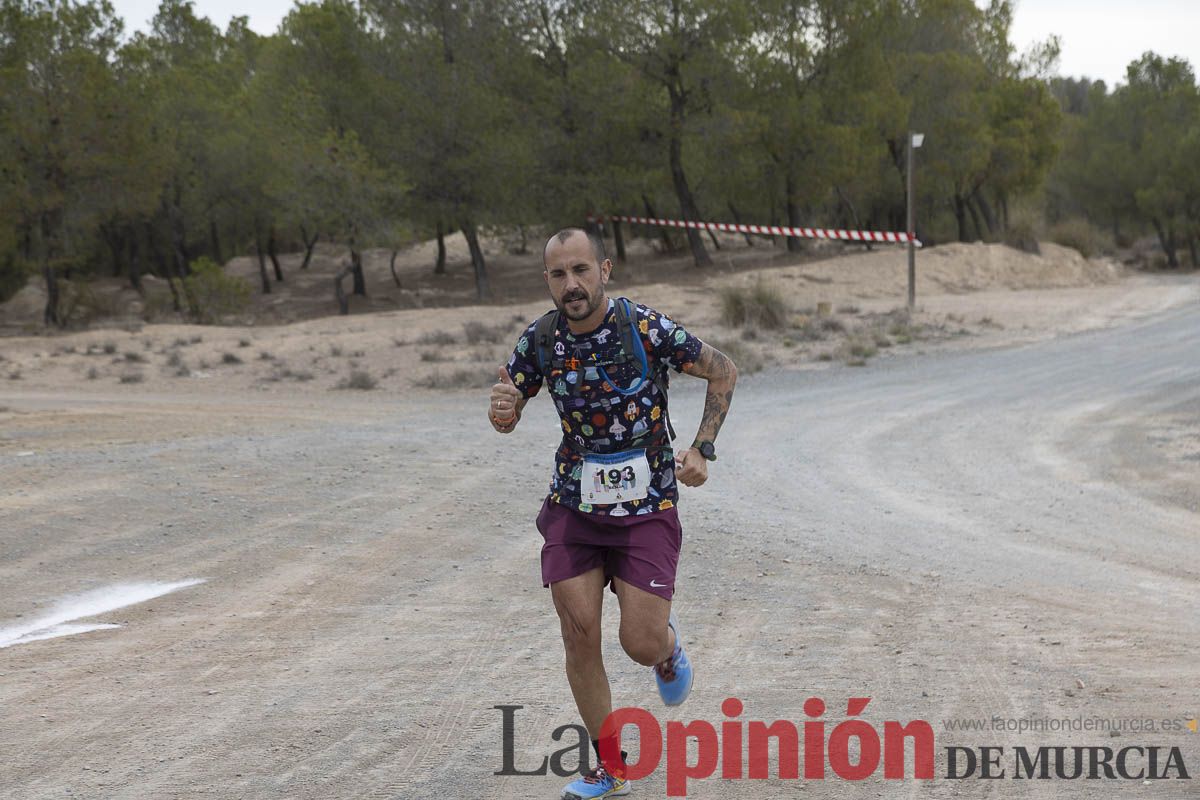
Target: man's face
column 575, row 278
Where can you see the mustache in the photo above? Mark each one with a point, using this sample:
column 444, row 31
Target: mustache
column 574, row 296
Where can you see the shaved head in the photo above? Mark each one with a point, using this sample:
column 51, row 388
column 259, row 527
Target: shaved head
column 565, row 234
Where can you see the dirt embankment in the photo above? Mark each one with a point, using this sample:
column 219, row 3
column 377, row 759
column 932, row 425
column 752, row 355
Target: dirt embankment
column 843, row 309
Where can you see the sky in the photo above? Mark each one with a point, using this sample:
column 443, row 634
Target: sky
column 1099, row 37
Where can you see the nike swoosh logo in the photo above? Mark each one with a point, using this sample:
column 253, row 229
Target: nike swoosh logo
column 656, row 585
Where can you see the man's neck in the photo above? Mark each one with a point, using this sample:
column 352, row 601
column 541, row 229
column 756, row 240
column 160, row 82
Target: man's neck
column 591, row 321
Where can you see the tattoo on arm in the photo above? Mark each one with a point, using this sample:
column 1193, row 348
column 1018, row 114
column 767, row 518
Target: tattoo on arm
column 721, row 374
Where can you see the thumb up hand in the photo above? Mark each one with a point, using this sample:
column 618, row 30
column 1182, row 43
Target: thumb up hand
column 505, row 396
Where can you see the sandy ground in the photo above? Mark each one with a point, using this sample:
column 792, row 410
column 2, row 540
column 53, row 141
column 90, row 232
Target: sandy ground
column 968, row 296
column 995, row 522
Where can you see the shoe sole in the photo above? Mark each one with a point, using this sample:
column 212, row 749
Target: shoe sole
column 624, row 790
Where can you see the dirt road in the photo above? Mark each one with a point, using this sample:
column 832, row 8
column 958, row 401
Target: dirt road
column 964, row 535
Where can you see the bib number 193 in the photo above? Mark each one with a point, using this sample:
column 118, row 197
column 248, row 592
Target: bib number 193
column 615, row 478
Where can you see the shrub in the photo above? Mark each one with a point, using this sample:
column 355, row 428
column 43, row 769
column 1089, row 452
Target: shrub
column 436, row 337
column 478, row 333
column 459, row 379
column 1022, row 235
column 760, row 306
column 230, row 358
column 831, row 325
column 211, row 294
column 358, row 379
column 284, row 372
column 861, row 349
column 132, row 377
column 1080, row 235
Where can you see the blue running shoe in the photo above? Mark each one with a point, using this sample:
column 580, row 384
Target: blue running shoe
column 674, row 676
column 597, row 783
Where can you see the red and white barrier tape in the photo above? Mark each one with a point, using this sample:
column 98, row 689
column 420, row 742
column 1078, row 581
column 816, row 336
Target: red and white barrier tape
column 767, row 230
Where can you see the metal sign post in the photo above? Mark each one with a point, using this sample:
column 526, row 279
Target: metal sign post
column 914, row 141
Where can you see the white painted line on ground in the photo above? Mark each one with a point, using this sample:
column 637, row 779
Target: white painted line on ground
column 57, row 621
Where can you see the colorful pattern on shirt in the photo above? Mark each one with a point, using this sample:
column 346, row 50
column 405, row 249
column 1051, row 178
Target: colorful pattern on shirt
column 595, row 414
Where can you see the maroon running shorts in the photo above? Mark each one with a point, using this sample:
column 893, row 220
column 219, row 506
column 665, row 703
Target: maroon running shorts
column 641, row 550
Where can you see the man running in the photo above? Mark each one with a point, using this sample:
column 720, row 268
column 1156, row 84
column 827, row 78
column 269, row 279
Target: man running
column 610, row 516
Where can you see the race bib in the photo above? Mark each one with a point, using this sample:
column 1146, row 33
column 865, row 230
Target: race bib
column 614, row 478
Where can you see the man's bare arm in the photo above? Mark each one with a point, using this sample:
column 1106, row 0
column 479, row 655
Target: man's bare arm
column 721, row 374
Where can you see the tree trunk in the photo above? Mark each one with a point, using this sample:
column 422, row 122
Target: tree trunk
column 50, row 313
column 1192, row 251
column 793, row 213
column 668, row 246
column 482, row 289
column 960, row 216
column 339, row 292
column 591, row 226
column 164, row 267
column 262, row 261
column 309, row 244
column 974, row 218
column 392, row 267
column 737, row 218
column 440, row 267
column 1166, row 238
column 356, row 264
column 273, row 253
column 178, row 228
column 849, row 208
column 687, row 204
column 116, row 247
column 215, row 241
column 1004, row 211
column 135, row 262
column 712, row 235
column 989, row 216
column 619, row 241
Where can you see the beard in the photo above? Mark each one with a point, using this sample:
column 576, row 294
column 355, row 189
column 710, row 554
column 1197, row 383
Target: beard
column 588, row 305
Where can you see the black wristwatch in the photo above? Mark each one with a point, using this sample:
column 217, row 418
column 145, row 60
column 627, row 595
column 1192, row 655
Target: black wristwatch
column 707, row 449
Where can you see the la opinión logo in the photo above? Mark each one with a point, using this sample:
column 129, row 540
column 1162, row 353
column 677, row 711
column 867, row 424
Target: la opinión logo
column 737, row 749
column 726, row 747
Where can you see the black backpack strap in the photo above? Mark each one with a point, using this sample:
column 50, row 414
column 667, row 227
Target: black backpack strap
column 543, row 341
column 662, row 380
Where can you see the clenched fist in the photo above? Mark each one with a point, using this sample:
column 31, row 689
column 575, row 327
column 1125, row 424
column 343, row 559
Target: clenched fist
column 691, row 468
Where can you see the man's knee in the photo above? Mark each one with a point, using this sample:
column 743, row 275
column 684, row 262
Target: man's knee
column 580, row 633
column 646, row 647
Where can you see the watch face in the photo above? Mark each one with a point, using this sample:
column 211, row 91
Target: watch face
column 708, row 450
